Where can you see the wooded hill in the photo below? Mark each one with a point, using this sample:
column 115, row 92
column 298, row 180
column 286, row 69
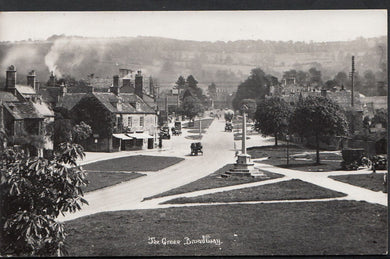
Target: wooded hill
column 225, row 63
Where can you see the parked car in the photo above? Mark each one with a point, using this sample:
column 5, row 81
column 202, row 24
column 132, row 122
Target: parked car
column 379, row 162
column 354, row 158
column 164, row 133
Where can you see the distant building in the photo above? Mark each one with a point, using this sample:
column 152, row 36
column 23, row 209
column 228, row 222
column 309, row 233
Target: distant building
column 134, row 119
column 25, row 115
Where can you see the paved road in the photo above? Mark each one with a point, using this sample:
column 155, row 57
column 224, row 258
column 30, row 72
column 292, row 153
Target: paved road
column 218, row 151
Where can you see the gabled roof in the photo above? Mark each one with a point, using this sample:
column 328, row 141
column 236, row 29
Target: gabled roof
column 49, row 94
column 133, row 98
column 7, row 97
column 23, row 110
column 128, row 103
column 43, row 109
column 70, row 100
column 25, row 89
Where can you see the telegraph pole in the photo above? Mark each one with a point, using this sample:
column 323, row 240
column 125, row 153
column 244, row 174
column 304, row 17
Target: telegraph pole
column 352, row 77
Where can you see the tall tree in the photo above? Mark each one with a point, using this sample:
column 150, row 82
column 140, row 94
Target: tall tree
column 315, row 76
column 192, row 107
column 380, row 116
column 271, row 117
column 34, row 192
column 341, row 78
column 212, row 90
column 318, row 117
column 191, row 82
column 256, row 86
column 181, row 82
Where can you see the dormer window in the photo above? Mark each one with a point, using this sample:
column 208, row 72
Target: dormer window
column 137, row 106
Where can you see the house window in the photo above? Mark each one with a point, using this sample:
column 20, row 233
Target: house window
column 141, row 121
column 129, row 122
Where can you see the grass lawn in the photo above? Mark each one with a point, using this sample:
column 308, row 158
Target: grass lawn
column 277, row 157
column 196, row 131
column 318, row 228
column 214, row 181
column 286, row 190
column 238, row 136
column 194, row 137
column 133, row 163
column 98, row 180
column 372, row 181
column 205, row 124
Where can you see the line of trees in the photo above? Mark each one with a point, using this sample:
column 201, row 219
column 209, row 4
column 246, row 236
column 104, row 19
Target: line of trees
column 313, row 116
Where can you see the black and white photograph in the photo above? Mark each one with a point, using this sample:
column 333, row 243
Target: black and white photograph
column 194, row 133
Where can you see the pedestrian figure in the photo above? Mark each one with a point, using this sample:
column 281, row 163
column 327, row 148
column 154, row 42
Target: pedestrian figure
column 374, row 167
column 385, row 183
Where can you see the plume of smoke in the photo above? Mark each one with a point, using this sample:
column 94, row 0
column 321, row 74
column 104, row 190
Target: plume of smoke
column 22, row 56
column 51, row 59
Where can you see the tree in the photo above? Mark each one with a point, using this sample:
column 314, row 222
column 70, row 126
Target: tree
column 256, row 86
column 62, row 131
column 34, row 191
column 380, row 116
column 192, row 106
column 81, row 132
column 229, row 114
column 341, row 78
column 271, row 117
column 250, row 107
column 318, row 117
column 66, row 131
column 92, row 112
column 369, row 82
column 315, row 76
column 330, row 84
column 181, row 82
column 191, row 82
column 212, row 90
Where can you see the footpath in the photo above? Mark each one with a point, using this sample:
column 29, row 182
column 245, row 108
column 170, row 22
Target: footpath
column 218, row 151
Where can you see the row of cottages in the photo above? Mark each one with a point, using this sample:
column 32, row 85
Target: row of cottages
column 24, row 115
column 119, row 120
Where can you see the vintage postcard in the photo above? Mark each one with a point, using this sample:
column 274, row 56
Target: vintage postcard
column 194, row 133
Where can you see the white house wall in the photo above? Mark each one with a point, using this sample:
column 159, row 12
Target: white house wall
column 150, row 122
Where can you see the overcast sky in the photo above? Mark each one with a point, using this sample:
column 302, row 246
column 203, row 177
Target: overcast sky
column 332, row 25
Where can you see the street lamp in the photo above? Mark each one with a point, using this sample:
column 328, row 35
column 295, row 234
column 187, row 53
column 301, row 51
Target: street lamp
column 288, row 155
column 285, row 123
column 200, row 127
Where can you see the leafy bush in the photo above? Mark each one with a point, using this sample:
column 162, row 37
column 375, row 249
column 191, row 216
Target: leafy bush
column 33, row 192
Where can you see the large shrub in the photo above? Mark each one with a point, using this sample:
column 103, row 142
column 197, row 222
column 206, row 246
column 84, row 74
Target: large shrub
column 34, row 191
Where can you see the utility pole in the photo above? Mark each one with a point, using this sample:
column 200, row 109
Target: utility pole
column 352, row 78
column 352, row 74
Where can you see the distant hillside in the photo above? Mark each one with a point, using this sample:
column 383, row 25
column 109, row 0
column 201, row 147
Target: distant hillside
column 225, row 63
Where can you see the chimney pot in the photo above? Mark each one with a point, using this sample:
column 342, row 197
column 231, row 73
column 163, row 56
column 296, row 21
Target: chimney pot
column 31, row 80
column 139, row 84
column 10, row 78
column 115, row 85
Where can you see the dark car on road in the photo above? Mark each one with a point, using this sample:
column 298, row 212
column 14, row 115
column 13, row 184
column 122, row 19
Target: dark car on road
column 164, row 133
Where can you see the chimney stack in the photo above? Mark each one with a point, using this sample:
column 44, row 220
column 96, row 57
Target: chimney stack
column 151, row 86
column 52, row 79
column 31, row 80
column 139, row 84
column 10, row 79
column 115, row 85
